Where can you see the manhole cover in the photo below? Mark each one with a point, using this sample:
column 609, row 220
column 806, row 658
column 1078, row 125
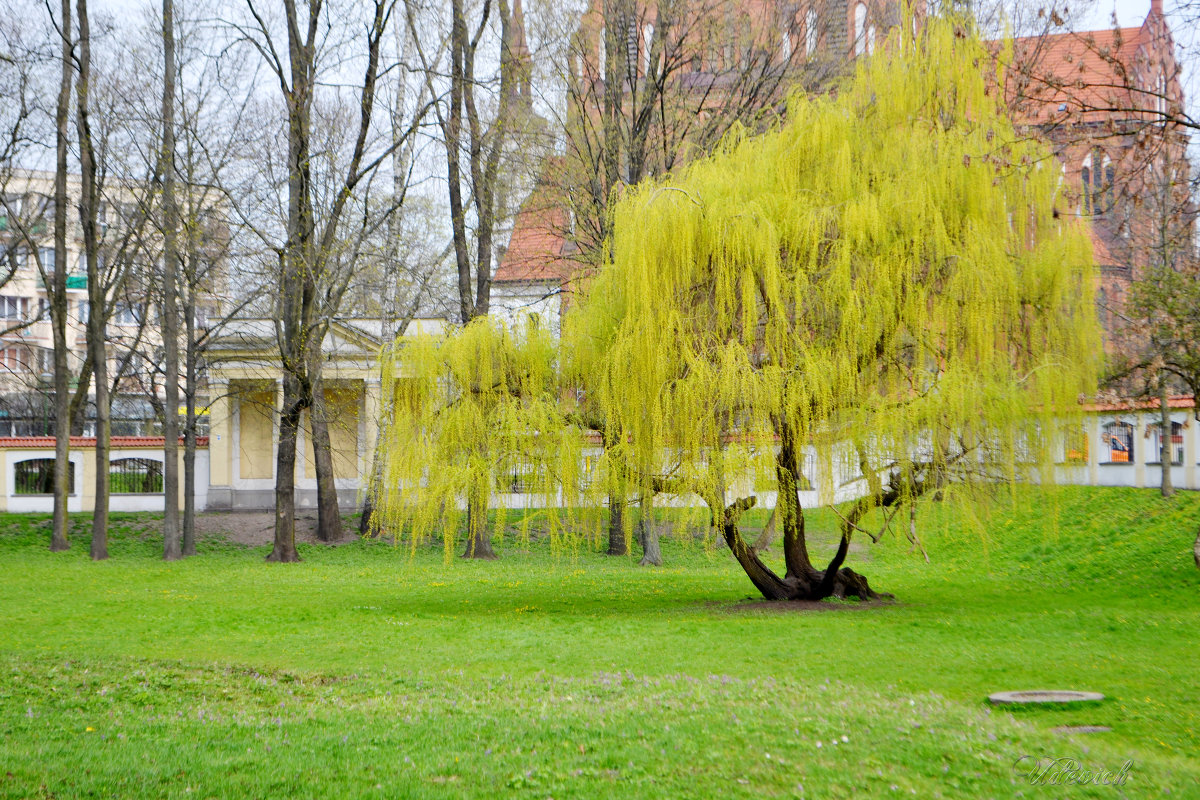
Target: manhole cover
column 1044, row 696
column 1069, row 729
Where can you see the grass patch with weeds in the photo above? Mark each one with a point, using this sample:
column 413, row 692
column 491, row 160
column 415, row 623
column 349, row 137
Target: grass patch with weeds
column 365, row 671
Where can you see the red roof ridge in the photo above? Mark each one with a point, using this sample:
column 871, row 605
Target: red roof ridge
column 124, row 442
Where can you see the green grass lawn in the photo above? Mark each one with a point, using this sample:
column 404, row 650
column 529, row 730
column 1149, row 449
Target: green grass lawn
column 368, row 672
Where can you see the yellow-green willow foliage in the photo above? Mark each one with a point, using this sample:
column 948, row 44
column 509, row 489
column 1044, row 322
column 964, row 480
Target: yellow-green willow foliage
column 473, row 412
column 883, row 274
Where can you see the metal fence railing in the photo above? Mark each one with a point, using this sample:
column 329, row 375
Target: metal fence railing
column 36, row 476
column 135, row 476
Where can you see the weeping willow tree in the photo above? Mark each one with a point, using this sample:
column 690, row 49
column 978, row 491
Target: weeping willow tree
column 474, row 414
column 881, row 284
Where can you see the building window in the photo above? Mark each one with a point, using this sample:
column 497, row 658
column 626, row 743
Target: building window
column 8, row 203
column 1117, row 441
column 1085, row 178
column 45, row 361
column 84, row 310
column 1110, row 175
column 860, row 29
column 14, row 358
column 785, row 43
column 46, row 256
column 13, row 308
column 810, row 32
column 1154, row 430
column 647, row 40
column 135, row 476
column 36, row 476
column 1075, row 446
column 128, row 314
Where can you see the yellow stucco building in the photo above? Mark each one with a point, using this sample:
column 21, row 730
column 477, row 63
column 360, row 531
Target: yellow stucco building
column 245, row 384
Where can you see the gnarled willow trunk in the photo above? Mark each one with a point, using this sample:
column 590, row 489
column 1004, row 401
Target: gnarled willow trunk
column 801, row 580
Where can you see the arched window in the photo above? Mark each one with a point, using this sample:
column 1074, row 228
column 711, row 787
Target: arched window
column 785, row 43
column 1109, row 174
column 136, row 476
column 36, row 476
column 647, row 39
column 1117, row 443
column 860, row 29
column 1176, row 444
column 870, row 39
column 602, row 60
column 1085, row 177
column 810, row 32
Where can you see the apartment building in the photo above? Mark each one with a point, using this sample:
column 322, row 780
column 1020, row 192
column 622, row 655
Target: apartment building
column 129, row 257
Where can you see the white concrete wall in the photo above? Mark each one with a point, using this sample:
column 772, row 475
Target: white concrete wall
column 40, row 502
column 840, row 486
column 81, row 499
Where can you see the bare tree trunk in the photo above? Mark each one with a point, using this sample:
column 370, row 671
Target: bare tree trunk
column 172, row 547
column 284, row 549
column 452, row 130
column 296, row 278
column 189, row 429
column 479, row 538
column 616, row 523
column 617, row 499
column 329, row 519
column 647, row 533
column 368, row 507
column 1196, row 550
column 97, row 301
column 59, row 307
column 376, row 485
column 79, row 397
column 1165, row 440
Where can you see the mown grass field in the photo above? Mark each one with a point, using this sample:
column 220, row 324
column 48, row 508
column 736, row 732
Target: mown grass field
column 368, row 672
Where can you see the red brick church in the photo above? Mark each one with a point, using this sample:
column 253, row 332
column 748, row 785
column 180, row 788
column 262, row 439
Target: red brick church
column 1103, row 99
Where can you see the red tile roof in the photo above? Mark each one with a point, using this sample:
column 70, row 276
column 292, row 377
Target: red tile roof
column 1080, row 76
column 1175, row 401
column 538, row 249
column 117, row 442
column 535, row 251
